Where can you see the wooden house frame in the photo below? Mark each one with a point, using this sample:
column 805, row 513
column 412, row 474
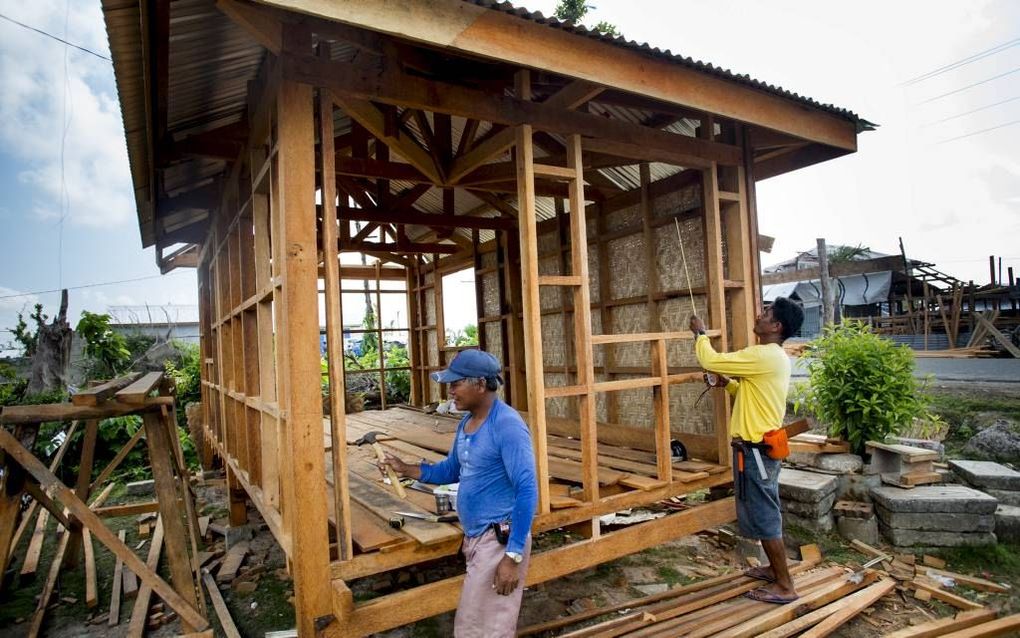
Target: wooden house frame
column 564, row 167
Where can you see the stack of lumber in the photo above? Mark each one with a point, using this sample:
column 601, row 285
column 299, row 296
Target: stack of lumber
column 818, row 444
column 903, row 465
column 970, row 352
column 717, row 607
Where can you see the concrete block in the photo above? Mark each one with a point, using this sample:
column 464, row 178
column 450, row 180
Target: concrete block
column 824, row 523
column 842, row 463
column 934, row 498
column 986, row 474
column 1005, row 497
column 937, row 522
column 862, row 529
column 1007, row 523
column 800, row 458
column 806, row 487
column 141, row 488
column 238, row 534
column 809, row 510
column 857, row 487
column 747, row 547
column 921, row 538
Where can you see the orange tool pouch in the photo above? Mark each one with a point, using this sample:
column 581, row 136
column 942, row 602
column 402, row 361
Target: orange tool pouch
column 778, row 444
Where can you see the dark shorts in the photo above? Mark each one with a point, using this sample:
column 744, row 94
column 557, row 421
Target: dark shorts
column 758, row 513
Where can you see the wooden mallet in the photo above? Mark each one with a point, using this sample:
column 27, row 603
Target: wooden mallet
column 371, row 438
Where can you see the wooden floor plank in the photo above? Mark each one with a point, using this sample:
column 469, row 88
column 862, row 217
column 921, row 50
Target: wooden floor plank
column 383, row 504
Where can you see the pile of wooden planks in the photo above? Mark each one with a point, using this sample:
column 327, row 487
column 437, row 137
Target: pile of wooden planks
column 927, row 578
column 818, row 444
column 717, row 607
column 903, row 465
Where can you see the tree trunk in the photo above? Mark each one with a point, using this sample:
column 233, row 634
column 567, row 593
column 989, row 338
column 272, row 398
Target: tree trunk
column 52, row 353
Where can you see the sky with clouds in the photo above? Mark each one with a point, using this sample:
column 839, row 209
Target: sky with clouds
column 67, row 209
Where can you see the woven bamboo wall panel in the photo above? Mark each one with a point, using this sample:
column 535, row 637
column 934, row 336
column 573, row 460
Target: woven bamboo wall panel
column 628, row 267
column 669, row 260
column 490, row 294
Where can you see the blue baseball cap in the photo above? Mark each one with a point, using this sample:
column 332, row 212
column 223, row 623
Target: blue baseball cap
column 470, row 364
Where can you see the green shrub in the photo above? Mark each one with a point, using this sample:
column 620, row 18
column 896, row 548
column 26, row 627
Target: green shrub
column 106, row 351
column 861, row 384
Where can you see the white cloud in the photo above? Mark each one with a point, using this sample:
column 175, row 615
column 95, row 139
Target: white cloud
column 96, row 177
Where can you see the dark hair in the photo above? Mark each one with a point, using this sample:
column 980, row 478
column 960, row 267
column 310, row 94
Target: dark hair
column 789, row 313
column 491, row 384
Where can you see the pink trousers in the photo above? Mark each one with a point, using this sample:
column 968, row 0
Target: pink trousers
column 481, row 612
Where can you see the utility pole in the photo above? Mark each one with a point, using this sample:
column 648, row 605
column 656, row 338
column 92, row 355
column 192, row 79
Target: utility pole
column 828, row 315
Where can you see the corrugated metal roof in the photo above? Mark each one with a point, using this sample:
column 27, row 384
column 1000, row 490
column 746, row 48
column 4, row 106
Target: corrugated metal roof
column 643, row 47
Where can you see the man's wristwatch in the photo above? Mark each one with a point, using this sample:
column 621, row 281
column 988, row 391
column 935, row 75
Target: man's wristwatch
column 515, row 557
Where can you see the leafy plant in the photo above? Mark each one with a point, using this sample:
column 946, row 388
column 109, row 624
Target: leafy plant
column 27, row 338
column 107, row 351
column 861, row 385
column 466, row 337
column 843, row 254
column 575, row 10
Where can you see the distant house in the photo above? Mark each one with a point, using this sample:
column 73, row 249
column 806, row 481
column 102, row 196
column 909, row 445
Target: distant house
column 867, row 285
column 170, row 322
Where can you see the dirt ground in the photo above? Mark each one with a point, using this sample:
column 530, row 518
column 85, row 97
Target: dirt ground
column 681, row 562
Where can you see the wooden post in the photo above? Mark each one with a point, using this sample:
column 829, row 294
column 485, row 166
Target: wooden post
column 334, row 329
column 716, row 296
column 582, row 327
column 532, row 318
column 927, row 321
column 88, row 455
column 12, row 485
column 828, row 316
column 298, row 351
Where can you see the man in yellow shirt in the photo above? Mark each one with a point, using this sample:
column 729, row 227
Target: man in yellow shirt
column 761, row 380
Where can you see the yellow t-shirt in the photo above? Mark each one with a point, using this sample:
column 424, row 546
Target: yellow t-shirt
column 764, row 380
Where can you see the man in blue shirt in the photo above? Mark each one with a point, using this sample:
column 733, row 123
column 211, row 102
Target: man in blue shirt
column 493, row 459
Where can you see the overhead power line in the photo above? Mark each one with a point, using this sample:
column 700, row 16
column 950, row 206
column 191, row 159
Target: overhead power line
column 984, row 130
column 963, row 62
column 982, row 108
column 102, row 283
column 57, row 38
column 970, row 86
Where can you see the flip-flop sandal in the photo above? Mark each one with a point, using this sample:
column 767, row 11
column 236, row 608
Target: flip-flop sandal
column 763, row 595
column 760, row 573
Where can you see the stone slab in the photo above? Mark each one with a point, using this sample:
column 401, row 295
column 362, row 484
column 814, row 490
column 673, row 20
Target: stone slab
column 862, row 529
column 987, row 474
column 1005, row 497
column 921, row 538
column 842, row 463
column 809, row 510
column 934, row 499
column 820, row 524
column 804, row 486
column 936, row 522
column 858, row 487
column 1007, row 523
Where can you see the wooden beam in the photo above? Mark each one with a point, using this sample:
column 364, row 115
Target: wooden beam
column 43, row 499
column 139, row 390
column 408, row 248
column 391, row 86
column 140, row 610
column 259, row 22
column 334, row 334
column 113, row 619
column 369, row 116
column 100, row 393
column 48, row 481
column 25, row 414
column 413, row 216
column 376, row 169
column 479, row 31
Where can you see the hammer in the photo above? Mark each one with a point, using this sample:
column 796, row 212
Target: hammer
column 371, row 437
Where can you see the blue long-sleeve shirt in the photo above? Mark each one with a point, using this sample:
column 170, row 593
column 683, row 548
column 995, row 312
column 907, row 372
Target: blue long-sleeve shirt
column 496, row 469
